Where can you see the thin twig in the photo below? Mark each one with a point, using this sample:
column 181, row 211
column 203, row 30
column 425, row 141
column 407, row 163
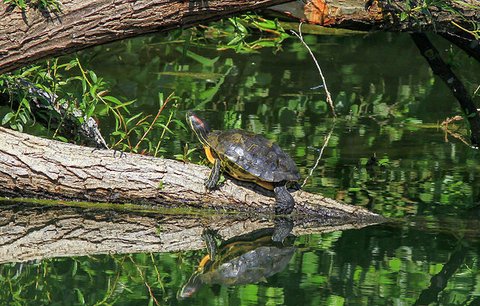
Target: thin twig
column 325, row 142
column 329, row 97
column 154, row 120
column 152, row 296
column 476, row 90
column 447, row 131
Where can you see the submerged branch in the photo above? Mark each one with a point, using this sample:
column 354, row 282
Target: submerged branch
column 441, row 69
column 73, row 120
column 34, row 167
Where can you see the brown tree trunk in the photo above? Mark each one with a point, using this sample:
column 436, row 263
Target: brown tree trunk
column 31, row 35
column 45, row 232
column 35, row 167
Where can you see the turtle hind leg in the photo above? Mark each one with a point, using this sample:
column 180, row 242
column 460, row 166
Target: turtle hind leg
column 214, row 176
column 283, row 228
column 284, row 200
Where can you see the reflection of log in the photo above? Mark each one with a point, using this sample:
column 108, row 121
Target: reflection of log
column 42, row 232
column 34, row 167
column 26, row 37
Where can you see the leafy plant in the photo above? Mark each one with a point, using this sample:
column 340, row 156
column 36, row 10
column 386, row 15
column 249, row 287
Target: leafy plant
column 77, row 89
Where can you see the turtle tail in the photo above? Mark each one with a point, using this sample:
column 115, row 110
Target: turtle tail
column 284, row 200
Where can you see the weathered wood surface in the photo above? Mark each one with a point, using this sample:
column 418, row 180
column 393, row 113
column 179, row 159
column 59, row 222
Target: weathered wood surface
column 38, row 232
column 28, row 36
column 35, row 167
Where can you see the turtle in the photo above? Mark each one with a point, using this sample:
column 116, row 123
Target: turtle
column 245, row 259
column 247, row 156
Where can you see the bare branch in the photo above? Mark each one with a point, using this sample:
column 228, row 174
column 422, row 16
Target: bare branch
column 329, row 98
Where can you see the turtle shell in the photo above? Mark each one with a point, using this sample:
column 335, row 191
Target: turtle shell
column 251, row 157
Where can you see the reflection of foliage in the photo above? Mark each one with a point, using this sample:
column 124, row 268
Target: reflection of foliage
column 236, row 34
column 100, row 280
column 379, row 265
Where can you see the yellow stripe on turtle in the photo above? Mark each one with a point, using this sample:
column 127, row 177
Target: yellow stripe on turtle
column 203, row 262
column 209, row 154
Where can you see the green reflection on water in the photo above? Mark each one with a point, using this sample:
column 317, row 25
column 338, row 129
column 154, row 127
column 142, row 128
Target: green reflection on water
column 379, row 265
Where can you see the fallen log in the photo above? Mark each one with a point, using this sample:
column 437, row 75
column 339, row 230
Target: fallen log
column 27, row 36
column 35, row 167
column 38, row 232
column 452, row 17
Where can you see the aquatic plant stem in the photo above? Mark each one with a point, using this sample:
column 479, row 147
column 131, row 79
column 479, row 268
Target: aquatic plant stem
column 329, row 97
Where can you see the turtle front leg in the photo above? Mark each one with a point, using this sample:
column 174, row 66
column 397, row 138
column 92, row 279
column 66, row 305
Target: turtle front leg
column 210, row 236
column 284, row 199
column 214, row 176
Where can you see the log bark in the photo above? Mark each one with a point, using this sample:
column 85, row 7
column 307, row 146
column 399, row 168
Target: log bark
column 34, row 167
column 28, row 36
column 32, row 35
column 38, row 232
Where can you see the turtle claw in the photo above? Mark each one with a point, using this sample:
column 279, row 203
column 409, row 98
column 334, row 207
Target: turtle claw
column 209, row 184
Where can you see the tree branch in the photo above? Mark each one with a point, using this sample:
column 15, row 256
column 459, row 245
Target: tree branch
column 441, row 69
column 29, row 36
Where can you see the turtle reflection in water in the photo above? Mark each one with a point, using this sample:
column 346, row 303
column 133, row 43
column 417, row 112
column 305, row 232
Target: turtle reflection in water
column 245, row 259
column 247, row 157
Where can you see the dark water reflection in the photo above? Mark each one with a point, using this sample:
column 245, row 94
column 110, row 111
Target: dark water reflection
column 389, row 104
column 406, row 263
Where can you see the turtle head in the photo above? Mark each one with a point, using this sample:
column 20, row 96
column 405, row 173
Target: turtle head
column 192, row 286
column 199, row 127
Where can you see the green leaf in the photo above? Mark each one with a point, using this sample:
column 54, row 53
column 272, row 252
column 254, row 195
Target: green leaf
column 112, row 99
column 80, row 297
column 93, row 76
column 84, row 86
column 23, row 117
column 7, row 118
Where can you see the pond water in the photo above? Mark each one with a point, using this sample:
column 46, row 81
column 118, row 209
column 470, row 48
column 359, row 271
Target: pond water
column 389, row 105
